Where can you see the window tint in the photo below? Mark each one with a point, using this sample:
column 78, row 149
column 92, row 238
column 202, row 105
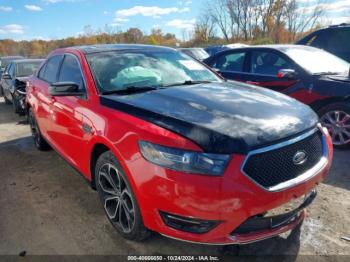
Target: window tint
column 268, row 63
column 52, row 66
column 339, row 40
column 230, row 62
column 70, row 71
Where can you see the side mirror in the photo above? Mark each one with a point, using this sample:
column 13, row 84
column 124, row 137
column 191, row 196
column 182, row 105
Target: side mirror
column 65, row 89
column 286, row 74
column 6, row 76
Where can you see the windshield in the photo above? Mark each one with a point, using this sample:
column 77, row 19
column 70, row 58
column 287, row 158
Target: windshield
column 317, row 61
column 199, row 53
column 118, row 70
column 27, row 68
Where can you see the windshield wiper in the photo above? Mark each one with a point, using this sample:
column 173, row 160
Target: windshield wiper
column 131, row 89
column 188, row 82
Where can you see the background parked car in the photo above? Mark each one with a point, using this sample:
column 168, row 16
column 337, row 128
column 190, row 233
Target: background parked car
column 334, row 39
column 311, row 75
column 14, row 81
column 4, row 61
column 195, row 52
column 212, row 50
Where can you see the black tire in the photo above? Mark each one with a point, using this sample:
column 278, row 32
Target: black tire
column 117, row 203
column 7, row 102
column 328, row 113
column 39, row 141
column 15, row 105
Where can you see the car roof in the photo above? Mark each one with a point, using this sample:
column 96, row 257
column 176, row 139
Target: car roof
column 279, row 47
column 87, row 49
column 191, row 48
column 18, row 61
column 11, row 57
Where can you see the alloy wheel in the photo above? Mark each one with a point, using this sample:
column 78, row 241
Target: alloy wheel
column 116, row 198
column 338, row 124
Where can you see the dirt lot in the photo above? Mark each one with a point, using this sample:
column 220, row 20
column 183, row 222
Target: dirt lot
column 47, row 208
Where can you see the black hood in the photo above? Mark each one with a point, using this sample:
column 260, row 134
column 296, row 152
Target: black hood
column 220, row 117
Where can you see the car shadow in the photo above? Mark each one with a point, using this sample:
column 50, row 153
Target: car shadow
column 43, row 178
column 7, row 115
column 339, row 174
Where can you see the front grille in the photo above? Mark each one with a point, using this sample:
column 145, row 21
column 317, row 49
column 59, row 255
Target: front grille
column 276, row 166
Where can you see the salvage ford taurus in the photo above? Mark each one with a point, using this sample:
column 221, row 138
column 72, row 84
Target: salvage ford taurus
column 172, row 148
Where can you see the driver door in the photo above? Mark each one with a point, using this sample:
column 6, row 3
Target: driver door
column 264, row 67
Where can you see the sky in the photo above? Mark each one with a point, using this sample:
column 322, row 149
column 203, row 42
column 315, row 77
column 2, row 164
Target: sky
column 55, row 19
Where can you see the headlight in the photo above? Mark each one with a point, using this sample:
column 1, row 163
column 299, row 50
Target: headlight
column 185, row 161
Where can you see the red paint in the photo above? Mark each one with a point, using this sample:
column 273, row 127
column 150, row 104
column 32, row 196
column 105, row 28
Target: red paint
column 306, row 96
column 231, row 198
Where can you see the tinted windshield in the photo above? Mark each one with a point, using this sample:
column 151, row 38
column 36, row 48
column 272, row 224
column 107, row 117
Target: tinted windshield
column 118, row 70
column 317, row 61
column 27, row 68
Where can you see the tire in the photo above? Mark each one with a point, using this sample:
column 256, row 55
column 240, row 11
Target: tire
column 336, row 118
column 118, row 199
column 7, row 102
column 39, row 141
column 15, row 105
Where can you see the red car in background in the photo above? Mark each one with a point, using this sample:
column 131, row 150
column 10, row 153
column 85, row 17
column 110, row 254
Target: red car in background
column 173, row 148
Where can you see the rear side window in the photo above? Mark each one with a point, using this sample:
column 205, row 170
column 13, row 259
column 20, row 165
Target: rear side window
column 318, row 40
column 339, row 40
column 49, row 74
column 230, row 62
column 268, row 63
column 70, row 71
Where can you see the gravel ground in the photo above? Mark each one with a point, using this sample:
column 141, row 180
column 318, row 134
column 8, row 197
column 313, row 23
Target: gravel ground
column 46, row 208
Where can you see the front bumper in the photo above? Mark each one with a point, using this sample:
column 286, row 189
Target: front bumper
column 231, row 199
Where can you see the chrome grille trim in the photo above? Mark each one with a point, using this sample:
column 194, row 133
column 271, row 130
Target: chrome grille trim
column 302, row 177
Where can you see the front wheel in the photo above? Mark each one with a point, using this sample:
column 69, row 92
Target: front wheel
column 118, row 198
column 336, row 118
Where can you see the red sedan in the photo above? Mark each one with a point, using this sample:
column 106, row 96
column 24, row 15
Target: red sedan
column 173, row 148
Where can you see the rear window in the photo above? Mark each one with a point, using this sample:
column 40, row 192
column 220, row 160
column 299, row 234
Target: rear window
column 339, row 40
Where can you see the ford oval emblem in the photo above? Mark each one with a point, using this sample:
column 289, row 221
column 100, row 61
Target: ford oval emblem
column 299, row 158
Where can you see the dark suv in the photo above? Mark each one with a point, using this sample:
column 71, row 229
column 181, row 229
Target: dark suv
column 334, row 39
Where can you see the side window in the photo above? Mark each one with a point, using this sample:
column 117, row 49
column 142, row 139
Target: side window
column 339, row 40
column 230, row 62
column 70, row 71
column 51, row 70
column 268, row 63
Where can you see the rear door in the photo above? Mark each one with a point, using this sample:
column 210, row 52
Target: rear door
column 231, row 64
column 264, row 65
column 8, row 83
column 69, row 131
